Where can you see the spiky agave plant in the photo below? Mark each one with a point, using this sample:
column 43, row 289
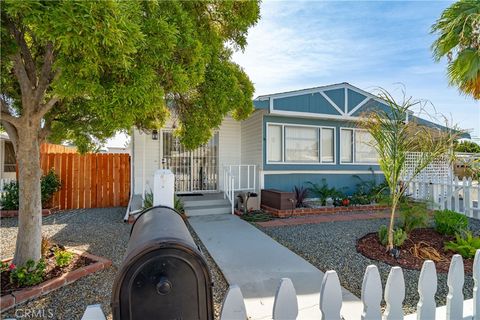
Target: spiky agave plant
column 394, row 137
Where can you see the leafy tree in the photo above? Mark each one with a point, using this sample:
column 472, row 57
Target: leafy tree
column 467, row 146
column 458, row 30
column 83, row 70
column 394, row 138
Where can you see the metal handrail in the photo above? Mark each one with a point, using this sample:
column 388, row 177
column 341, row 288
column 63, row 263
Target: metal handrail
column 232, row 183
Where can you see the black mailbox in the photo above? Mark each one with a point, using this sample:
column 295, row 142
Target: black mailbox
column 164, row 275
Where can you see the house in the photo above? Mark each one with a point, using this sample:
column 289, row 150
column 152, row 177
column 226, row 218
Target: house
column 7, row 158
column 291, row 138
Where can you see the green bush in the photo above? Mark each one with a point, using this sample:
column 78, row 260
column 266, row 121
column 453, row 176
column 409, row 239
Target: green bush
column 399, row 236
column 413, row 215
column 148, row 200
column 450, row 222
column 28, row 275
column 9, row 199
column 49, row 184
column 62, row 257
column 178, row 204
column 465, row 244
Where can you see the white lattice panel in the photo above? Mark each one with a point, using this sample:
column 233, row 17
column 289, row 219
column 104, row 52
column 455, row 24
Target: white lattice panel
column 438, row 171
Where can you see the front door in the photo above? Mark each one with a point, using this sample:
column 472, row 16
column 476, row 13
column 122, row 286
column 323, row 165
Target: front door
column 195, row 170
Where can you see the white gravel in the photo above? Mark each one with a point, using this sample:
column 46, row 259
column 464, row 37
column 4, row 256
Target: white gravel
column 99, row 231
column 331, row 246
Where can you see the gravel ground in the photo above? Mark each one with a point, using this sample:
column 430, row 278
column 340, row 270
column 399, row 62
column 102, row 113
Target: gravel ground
column 331, row 246
column 99, row 231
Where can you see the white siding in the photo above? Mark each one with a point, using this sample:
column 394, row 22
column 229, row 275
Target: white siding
column 230, row 144
column 146, row 154
column 252, row 137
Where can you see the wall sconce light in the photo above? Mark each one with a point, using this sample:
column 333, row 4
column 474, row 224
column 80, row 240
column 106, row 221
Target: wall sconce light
column 154, row 134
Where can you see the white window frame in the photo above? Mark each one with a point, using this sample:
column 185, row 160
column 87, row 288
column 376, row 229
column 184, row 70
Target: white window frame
column 355, row 162
column 284, row 162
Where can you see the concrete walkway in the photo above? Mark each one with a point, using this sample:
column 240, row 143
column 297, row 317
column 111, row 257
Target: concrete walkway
column 256, row 263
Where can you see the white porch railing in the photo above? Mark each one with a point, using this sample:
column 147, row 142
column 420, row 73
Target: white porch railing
column 458, row 195
column 286, row 306
column 238, row 177
column 228, row 188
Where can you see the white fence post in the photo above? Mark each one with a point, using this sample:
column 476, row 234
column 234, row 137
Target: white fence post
column 330, row 296
column 371, row 294
column 455, row 288
column 285, row 306
column 394, row 294
column 233, row 307
column 427, row 287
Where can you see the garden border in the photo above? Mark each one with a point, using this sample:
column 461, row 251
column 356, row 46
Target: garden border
column 23, row 295
column 14, row 213
column 323, row 210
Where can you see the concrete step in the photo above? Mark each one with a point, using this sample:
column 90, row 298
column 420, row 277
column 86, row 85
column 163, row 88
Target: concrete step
column 206, row 202
column 207, row 210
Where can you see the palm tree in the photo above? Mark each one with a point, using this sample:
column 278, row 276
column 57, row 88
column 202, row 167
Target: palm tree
column 458, row 32
column 395, row 134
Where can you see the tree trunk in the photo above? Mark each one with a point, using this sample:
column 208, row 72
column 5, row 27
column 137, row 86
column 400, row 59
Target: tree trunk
column 390, row 245
column 29, row 236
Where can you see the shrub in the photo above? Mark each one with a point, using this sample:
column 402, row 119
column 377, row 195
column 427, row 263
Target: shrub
column 413, row 215
column 465, row 244
column 450, row 222
column 399, row 236
column 324, row 191
column 45, row 246
column 49, row 184
column 178, row 204
column 300, row 195
column 28, row 275
column 148, row 200
column 9, row 199
column 62, row 257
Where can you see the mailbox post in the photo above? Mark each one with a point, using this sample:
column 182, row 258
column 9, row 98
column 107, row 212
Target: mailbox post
column 163, row 188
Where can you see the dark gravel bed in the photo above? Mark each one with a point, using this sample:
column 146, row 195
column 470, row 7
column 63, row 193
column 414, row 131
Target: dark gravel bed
column 99, row 231
column 331, row 246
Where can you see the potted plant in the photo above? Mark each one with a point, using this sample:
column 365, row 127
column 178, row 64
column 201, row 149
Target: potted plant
column 345, row 202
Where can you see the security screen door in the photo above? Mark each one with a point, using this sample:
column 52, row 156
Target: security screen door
column 195, row 170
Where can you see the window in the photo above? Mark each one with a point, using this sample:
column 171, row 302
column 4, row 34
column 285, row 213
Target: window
column 357, row 146
column 274, row 143
column 364, row 150
column 301, row 144
column 346, row 148
column 327, row 145
column 9, row 162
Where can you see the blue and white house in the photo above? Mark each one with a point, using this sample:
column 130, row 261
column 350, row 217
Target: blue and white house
column 291, row 138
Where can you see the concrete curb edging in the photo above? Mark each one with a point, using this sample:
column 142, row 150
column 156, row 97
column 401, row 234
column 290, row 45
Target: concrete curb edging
column 22, row 295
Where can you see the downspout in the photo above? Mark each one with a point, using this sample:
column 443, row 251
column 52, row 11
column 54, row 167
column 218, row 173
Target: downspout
column 132, row 177
column 143, row 166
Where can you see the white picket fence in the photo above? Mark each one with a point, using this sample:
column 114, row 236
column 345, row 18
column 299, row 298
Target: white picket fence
column 458, row 195
column 286, row 306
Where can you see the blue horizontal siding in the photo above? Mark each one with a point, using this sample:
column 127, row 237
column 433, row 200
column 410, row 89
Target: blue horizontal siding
column 315, row 122
column 347, row 183
column 311, row 103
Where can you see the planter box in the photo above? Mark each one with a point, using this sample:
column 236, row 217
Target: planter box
column 279, row 213
column 277, row 199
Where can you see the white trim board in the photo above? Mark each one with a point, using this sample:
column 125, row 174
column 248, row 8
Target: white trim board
column 321, row 172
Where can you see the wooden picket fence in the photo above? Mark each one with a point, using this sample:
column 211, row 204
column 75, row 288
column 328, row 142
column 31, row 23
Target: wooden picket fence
column 286, row 306
column 454, row 194
column 56, row 148
column 89, row 181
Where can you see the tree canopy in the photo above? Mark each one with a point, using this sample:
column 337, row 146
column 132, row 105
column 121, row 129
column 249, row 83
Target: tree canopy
column 458, row 31
column 83, row 70
column 104, row 66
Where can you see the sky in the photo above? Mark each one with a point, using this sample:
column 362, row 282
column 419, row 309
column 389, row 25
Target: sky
column 369, row 44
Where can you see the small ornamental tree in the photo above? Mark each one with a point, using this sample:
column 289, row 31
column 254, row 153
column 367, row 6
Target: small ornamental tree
column 83, row 70
column 395, row 136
